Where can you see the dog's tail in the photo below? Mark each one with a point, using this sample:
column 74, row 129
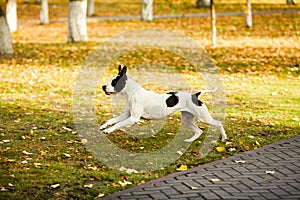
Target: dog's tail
column 207, row 91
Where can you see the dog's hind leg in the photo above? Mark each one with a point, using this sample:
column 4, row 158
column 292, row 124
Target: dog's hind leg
column 188, row 120
column 213, row 122
column 220, row 126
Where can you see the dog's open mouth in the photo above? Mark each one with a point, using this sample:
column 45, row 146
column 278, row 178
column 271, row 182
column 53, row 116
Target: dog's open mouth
column 109, row 93
column 106, row 92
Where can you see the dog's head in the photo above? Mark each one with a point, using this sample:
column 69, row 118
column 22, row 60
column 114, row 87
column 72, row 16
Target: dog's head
column 118, row 83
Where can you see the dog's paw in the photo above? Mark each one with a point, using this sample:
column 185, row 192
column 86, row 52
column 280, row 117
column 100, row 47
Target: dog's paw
column 103, row 127
column 108, row 130
column 224, row 139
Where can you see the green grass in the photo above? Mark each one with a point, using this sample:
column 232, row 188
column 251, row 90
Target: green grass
column 259, row 69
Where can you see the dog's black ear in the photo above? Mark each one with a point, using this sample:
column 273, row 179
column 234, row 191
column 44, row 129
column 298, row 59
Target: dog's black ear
column 123, row 71
column 120, row 67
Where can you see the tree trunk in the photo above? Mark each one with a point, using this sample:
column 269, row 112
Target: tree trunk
column 249, row 15
column 213, row 23
column 44, row 12
column 11, row 15
column 203, row 3
column 147, row 10
column 290, row 2
column 5, row 38
column 90, row 8
column 77, row 27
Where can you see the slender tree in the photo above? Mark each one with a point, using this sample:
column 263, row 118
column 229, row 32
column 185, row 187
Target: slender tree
column 290, row 2
column 11, row 15
column 147, row 10
column 77, row 27
column 249, row 15
column 213, row 23
column 5, row 38
column 90, row 8
column 203, row 3
column 44, row 12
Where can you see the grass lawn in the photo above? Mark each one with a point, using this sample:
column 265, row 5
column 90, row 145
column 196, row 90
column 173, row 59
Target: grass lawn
column 41, row 154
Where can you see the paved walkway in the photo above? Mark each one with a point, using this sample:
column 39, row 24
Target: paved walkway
column 270, row 172
column 187, row 15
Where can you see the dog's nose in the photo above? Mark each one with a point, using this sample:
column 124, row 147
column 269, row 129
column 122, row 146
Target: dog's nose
column 104, row 88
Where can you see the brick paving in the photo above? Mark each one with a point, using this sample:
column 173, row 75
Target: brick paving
column 270, row 172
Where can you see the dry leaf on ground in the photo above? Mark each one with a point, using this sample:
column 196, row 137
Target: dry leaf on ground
column 215, row 180
column 54, row 186
column 124, row 183
column 182, row 168
column 221, row 149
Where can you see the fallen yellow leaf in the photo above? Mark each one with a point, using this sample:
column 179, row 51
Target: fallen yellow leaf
column 66, row 128
column 215, row 180
column 194, row 188
column 37, row 165
column 93, row 168
column 88, row 185
column 182, row 168
column 9, row 160
column 43, row 153
column 70, row 141
column 221, row 149
column 124, row 183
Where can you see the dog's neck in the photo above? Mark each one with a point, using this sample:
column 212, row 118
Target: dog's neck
column 131, row 88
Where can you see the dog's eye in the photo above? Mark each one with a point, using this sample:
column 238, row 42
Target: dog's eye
column 114, row 82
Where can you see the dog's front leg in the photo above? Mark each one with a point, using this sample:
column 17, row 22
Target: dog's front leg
column 115, row 120
column 136, row 114
column 127, row 122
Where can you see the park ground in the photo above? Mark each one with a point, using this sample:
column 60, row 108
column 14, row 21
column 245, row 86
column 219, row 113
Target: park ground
column 42, row 156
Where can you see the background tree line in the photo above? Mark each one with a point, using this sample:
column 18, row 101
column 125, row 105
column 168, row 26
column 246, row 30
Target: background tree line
column 79, row 10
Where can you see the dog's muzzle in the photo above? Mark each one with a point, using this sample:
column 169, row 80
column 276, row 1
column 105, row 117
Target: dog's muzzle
column 106, row 92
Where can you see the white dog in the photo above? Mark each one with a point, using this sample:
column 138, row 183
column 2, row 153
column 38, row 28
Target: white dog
column 150, row 105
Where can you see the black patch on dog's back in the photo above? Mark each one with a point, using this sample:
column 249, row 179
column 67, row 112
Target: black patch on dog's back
column 172, row 100
column 195, row 99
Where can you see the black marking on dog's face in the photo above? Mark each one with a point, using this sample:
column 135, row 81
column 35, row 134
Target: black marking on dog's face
column 119, row 82
column 172, row 100
column 195, row 99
